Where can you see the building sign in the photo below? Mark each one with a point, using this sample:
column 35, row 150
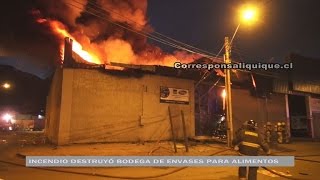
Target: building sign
column 315, row 104
column 174, row 95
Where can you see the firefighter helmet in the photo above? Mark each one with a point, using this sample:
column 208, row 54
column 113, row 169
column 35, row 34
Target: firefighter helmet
column 251, row 124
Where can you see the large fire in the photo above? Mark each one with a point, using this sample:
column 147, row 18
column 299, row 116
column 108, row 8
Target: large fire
column 61, row 31
column 97, row 41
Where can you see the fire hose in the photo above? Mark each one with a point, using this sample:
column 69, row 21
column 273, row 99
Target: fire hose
column 236, row 148
column 278, row 174
column 111, row 176
column 300, row 159
column 159, row 175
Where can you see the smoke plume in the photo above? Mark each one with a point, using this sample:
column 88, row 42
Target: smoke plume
column 92, row 24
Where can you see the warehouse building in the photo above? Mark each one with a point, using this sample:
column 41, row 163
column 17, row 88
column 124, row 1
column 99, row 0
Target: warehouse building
column 96, row 103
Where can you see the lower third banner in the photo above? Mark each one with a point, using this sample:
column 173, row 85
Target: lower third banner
column 121, row 161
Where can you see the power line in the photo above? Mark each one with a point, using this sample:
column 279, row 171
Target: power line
column 177, row 44
column 142, row 33
column 232, row 39
column 127, row 28
column 210, row 88
column 127, row 18
column 156, row 38
column 208, row 72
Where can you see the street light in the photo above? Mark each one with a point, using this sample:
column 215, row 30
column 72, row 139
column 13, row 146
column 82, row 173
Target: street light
column 6, row 85
column 248, row 15
column 7, row 117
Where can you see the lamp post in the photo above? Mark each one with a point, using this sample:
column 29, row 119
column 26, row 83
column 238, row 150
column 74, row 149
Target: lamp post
column 227, row 82
column 248, row 15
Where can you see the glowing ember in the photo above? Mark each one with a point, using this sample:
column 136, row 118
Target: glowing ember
column 41, row 20
column 114, row 67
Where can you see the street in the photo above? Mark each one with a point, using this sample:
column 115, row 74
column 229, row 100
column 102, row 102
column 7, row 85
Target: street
column 8, row 171
column 120, row 89
column 12, row 166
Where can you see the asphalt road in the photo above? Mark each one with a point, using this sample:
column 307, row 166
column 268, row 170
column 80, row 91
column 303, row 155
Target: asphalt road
column 12, row 172
column 302, row 169
column 15, row 172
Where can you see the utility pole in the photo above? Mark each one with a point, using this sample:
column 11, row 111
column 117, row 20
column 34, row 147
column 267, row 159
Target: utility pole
column 227, row 60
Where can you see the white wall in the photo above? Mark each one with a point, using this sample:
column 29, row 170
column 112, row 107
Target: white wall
column 53, row 107
column 99, row 107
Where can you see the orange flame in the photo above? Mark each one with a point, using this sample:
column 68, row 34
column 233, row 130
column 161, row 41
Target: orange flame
column 114, row 49
column 62, row 32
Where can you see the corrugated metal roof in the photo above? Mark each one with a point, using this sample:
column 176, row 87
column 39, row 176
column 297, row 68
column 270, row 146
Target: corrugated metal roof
column 305, row 86
column 280, row 86
column 305, row 75
column 151, row 68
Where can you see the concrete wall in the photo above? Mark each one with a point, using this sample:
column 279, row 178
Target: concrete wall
column 246, row 107
column 53, row 108
column 92, row 106
column 99, row 107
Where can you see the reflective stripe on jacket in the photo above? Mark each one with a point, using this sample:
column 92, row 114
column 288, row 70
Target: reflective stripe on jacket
column 249, row 142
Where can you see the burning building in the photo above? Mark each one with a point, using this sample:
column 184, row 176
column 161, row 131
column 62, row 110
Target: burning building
column 92, row 104
column 91, row 99
column 116, row 87
column 129, row 103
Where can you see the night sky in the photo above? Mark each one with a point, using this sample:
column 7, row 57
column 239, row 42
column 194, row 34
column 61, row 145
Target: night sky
column 286, row 26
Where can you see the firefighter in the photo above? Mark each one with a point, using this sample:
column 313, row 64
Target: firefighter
column 280, row 133
column 285, row 133
column 248, row 142
column 268, row 131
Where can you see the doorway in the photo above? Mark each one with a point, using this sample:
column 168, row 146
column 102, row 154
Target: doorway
column 299, row 122
column 209, row 110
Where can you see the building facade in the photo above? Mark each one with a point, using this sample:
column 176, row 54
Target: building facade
column 87, row 105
